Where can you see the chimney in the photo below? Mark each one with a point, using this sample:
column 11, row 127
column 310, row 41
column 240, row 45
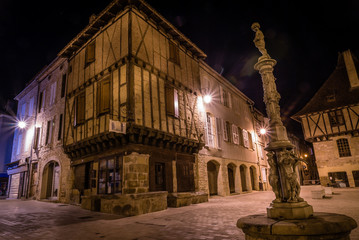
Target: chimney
column 351, row 70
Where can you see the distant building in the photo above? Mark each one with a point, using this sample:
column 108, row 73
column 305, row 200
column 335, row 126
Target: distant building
column 39, row 167
column 233, row 159
column 330, row 120
column 7, row 128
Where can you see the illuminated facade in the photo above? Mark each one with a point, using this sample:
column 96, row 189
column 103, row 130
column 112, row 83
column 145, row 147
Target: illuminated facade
column 331, row 121
column 132, row 117
column 39, row 168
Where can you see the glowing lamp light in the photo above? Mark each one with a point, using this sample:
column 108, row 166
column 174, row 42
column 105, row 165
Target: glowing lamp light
column 207, row 98
column 21, row 124
column 305, row 155
column 262, row 131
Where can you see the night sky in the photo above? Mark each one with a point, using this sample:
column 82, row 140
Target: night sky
column 304, row 38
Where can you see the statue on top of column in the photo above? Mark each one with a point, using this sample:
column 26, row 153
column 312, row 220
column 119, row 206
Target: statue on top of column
column 259, row 39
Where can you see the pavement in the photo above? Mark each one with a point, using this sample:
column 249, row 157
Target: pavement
column 215, row 219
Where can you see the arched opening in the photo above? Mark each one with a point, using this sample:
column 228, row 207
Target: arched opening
column 252, row 173
column 50, row 181
column 242, row 171
column 212, row 171
column 231, row 169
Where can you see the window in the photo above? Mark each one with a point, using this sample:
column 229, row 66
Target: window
column 174, row 53
column 41, row 101
column 226, row 98
column 63, row 85
column 53, row 93
column 109, row 179
column 59, row 134
column 336, row 118
column 235, row 134
column 103, row 96
column 172, row 101
column 210, row 131
column 90, row 53
column 343, row 147
column 37, row 138
column 160, row 174
column 49, row 131
column 80, row 109
column 240, row 133
column 245, row 138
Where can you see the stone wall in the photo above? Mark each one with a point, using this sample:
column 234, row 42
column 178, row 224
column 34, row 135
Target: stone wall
column 136, row 170
column 328, row 160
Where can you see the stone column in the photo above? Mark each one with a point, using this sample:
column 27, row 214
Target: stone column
column 288, row 216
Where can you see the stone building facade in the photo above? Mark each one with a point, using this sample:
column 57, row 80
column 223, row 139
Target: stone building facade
column 330, row 120
column 40, row 169
column 124, row 132
column 233, row 159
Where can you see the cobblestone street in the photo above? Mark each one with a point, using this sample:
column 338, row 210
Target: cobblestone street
column 213, row 220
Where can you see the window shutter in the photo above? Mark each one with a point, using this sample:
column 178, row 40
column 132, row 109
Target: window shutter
column 235, row 134
column 250, row 140
column 80, row 109
column 225, row 135
column 170, row 109
column 19, row 142
column 31, row 106
column 219, row 127
column 23, row 110
column 229, row 99
column 245, row 138
column 90, row 53
column 221, row 94
column 105, row 96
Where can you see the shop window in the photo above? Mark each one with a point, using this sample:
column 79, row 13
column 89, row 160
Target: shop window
column 109, row 178
column 343, row 147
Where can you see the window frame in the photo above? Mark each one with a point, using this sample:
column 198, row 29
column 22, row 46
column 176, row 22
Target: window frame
column 117, row 168
column 343, row 147
column 336, row 118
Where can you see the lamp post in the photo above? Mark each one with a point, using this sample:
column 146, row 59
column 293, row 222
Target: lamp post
column 288, row 216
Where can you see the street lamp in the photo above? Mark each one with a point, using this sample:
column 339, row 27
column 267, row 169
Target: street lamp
column 21, row 124
column 207, row 98
column 263, row 131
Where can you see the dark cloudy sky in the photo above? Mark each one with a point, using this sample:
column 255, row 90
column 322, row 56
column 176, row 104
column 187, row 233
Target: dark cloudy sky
column 303, row 36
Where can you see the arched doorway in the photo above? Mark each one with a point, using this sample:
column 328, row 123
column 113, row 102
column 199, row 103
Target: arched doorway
column 242, row 171
column 252, row 173
column 231, row 169
column 50, row 181
column 212, row 170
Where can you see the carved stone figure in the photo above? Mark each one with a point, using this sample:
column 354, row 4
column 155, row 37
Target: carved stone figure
column 259, row 39
column 287, row 162
column 274, row 177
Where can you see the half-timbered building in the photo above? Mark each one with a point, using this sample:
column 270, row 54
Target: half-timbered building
column 132, row 124
column 331, row 121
